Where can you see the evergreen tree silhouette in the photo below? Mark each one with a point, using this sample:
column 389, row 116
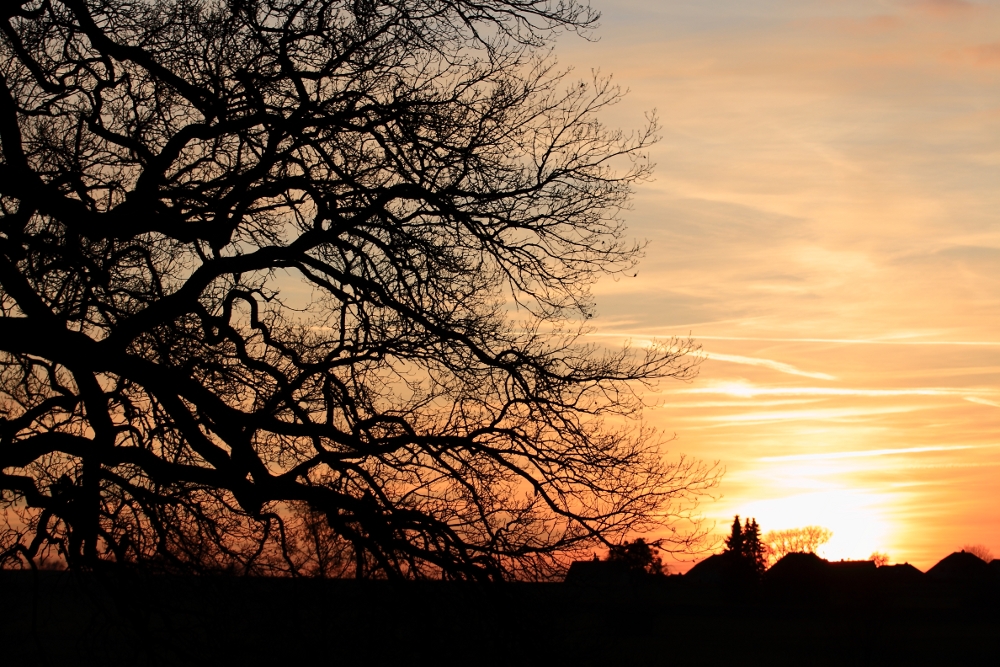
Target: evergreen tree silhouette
column 753, row 549
column 745, row 547
column 734, row 543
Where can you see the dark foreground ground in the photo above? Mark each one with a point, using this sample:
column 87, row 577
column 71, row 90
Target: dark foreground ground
column 65, row 619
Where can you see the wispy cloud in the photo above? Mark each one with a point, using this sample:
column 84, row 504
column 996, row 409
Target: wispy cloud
column 816, row 414
column 874, row 452
column 774, row 339
column 749, row 391
column 688, row 405
column 945, row 7
column 858, row 341
column 981, row 401
column 987, row 54
column 779, row 366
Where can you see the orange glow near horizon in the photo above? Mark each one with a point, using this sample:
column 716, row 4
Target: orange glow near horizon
column 824, row 221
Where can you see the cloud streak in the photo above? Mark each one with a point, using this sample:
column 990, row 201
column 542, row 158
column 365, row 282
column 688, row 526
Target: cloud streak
column 981, row 401
column 779, row 366
column 814, row 415
column 835, row 341
column 827, row 456
column 749, row 391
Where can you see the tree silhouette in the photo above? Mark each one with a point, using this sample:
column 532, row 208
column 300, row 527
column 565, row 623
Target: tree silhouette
column 744, row 545
column 982, row 552
column 734, row 543
column 780, row 543
column 753, row 549
column 638, row 556
column 880, row 559
column 300, row 286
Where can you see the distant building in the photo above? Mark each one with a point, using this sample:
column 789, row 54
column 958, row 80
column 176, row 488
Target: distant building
column 960, row 566
column 599, row 572
column 852, row 568
column 724, row 568
column 807, row 572
column 902, row 574
column 798, row 569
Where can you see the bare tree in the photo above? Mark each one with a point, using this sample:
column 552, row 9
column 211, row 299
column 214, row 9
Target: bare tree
column 879, row 558
column 780, row 543
column 300, row 285
column 980, row 551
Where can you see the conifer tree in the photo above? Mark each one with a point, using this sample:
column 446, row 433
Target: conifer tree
column 745, row 546
column 753, row 549
column 734, row 543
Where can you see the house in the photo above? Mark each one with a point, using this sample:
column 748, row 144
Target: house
column 721, row 568
column 798, row 569
column 960, row 566
column 599, row 573
column 852, row 569
column 902, row 574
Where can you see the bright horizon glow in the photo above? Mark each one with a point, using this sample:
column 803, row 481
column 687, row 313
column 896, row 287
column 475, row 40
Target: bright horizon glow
column 824, row 221
column 854, row 518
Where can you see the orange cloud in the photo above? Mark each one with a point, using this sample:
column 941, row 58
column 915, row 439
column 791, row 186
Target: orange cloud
column 880, row 23
column 987, row 54
column 945, row 7
column 984, row 55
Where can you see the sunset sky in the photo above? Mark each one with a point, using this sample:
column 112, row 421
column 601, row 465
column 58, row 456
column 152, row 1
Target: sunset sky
column 825, row 220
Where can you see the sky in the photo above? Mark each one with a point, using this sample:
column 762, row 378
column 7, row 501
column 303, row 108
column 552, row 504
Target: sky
column 825, row 221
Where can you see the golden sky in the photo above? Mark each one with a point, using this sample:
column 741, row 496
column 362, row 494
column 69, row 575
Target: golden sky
column 825, row 220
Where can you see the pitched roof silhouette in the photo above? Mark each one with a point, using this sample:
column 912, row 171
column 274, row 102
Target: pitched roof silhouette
column 852, row 568
column 959, row 566
column 713, row 568
column 599, row 572
column 901, row 573
column 724, row 567
column 799, row 568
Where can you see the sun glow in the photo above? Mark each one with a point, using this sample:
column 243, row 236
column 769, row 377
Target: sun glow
column 858, row 519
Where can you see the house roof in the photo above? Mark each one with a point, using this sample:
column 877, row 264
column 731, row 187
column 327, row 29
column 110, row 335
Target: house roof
column 721, row 568
column 597, row 572
column 960, row 565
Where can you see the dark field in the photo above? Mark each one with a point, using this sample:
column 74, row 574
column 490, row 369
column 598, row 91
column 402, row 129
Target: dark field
column 59, row 619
